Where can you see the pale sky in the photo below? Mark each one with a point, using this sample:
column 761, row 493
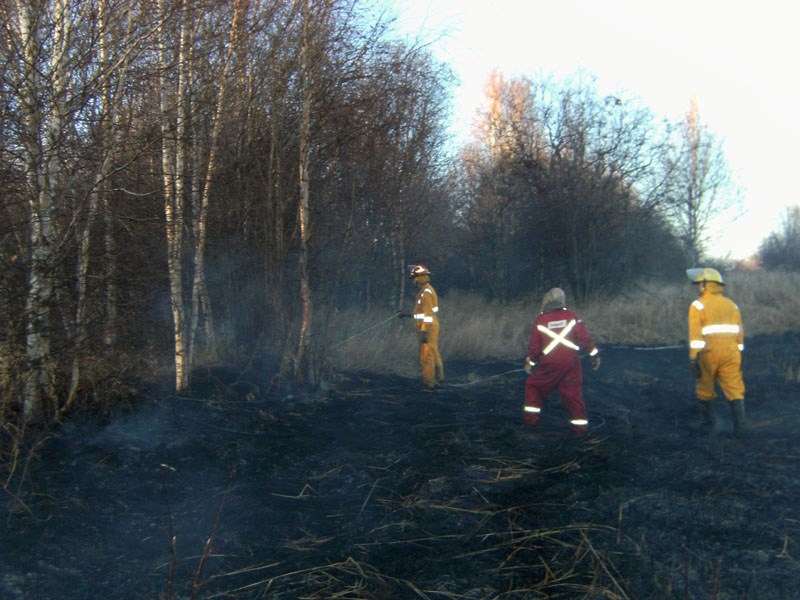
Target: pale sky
column 738, row 59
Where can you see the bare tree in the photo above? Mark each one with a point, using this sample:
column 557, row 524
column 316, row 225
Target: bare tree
column 559, row 187
column 119, row 40
column 49, row 78
column 698, row 183
column 201, row 312
column 302, row 371
column 781, row 249
column 163, row 157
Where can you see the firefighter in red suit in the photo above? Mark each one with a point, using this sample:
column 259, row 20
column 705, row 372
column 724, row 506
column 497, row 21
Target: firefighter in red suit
column 553, row 362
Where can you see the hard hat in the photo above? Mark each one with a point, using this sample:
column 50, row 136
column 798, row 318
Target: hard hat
column 702, row 274
column 417, row 270
column 555, row 296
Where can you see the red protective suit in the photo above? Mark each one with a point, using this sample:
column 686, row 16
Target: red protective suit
column 556, row 338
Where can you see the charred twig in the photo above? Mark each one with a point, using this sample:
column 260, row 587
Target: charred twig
column 308, row 542
column 303, row 492
column 171, row 535
column 622, row 508
column 369, row 495
column 715, row 581
column 602, row 563
column 207, row 547
column 19, row 436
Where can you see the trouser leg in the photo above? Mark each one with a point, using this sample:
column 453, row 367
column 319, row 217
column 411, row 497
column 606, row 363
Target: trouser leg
column 710, row 420
column 428, row 364
column 534, row 398
column 729, row 372
column 739, row 417
column 571, row 392
column 439, row 366
column 433, row 342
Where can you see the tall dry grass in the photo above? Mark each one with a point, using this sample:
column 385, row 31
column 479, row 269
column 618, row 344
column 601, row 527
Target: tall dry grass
column 473, row 329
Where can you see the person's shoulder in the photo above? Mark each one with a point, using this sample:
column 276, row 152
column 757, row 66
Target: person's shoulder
column 557, row 314
column 732, row 301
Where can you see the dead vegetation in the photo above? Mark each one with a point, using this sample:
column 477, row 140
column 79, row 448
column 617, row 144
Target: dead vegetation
column 371, row 488
column 473, row 329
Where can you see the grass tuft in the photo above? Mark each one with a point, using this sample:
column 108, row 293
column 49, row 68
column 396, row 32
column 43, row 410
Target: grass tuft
column 474, row 329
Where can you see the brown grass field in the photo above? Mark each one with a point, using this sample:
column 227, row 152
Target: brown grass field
column 475, row 330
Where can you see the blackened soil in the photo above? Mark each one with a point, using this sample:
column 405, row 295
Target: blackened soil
column 375, row 489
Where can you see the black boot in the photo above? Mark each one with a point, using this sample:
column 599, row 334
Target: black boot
column 739, row 418
column 710, row 421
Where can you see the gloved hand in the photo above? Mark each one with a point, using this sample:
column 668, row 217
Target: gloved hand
column 528, row 366
column 595, row 362
column 403, row 315
column 423, row 337
column 695, row 366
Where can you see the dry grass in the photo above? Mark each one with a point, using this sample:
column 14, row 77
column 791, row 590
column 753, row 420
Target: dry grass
column 511, row 558
column 473, row 329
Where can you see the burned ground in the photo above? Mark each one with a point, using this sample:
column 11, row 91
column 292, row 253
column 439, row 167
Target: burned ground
column 375, row 489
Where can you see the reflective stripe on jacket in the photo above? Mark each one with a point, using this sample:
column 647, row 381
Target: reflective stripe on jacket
column 426, row 307
column 714, row 320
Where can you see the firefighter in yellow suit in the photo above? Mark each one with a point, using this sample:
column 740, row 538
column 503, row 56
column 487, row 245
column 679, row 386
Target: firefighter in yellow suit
column 716, row 341
column 426, row 324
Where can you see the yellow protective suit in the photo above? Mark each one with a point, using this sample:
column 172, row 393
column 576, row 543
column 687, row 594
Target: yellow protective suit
column 716, row 339
column 427, row 320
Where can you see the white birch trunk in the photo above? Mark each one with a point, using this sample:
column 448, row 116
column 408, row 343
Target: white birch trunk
column 44, row 126
column 201, row 305
column 172, row 162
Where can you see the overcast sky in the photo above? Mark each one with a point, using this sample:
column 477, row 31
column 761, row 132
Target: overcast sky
column 738, row 59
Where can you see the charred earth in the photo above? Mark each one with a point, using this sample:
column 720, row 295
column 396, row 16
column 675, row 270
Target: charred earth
column 375, row 489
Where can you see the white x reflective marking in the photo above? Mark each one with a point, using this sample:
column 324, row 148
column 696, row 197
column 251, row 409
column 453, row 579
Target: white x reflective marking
column 558, row 338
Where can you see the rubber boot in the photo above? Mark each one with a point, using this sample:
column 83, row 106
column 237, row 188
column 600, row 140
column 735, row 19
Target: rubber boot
column 739, row 418
column 710, row 421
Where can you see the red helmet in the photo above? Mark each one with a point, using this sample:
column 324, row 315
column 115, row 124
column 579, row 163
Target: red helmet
column 417, row 270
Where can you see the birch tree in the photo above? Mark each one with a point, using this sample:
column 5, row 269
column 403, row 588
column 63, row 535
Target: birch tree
column 121, row 119
column 43, row 78
column 303, row 371
column 114, row 31
column 173, row 157
column 201, row 311
column 190, row 160
column 66, row 65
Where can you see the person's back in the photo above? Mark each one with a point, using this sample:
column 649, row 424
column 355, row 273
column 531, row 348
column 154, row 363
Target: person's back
column 557, row 336
column 716, row 318
column 716, row 341
column 560, row 334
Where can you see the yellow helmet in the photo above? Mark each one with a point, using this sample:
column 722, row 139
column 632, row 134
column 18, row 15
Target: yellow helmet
column 703, row 274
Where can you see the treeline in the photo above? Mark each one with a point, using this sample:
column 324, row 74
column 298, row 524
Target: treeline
column 186, row 183
column 780, row 251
